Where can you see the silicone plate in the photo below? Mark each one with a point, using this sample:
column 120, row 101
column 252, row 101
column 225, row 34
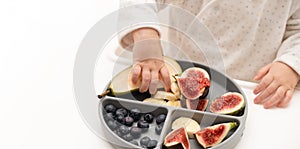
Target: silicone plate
column 220, row 84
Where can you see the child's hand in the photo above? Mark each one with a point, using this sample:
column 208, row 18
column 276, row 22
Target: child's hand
column 277, row 85
column 148, row 61
column 151, row 71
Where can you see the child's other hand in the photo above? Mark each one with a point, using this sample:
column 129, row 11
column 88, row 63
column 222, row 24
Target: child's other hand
column 151, row 71
column 277, row 85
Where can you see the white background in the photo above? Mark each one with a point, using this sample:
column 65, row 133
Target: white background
column 39, row 40
column 38, row 43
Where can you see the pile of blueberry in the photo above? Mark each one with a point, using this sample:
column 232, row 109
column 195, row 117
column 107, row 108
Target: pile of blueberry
column 130, row 124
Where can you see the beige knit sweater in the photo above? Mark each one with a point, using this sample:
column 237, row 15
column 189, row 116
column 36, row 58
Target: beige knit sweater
column 248, row 34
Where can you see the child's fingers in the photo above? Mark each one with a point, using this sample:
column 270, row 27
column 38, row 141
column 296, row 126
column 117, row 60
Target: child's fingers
column 288, row 96
column 266, row 93
column 262, row 72
column 135, row 73
column 166, row 78
column 146, row 78
column 276, row 98
column 263, row 84
column 154, row 82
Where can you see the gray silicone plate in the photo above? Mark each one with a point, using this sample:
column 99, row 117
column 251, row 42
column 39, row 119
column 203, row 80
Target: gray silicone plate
column 220, row 84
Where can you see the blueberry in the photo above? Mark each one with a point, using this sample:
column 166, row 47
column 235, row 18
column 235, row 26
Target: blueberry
column 128, row 137
column 135, row 132
column 143, row 124
column 124, row 130
column 128, row 121
column 134, row 142
column 118, row 132
column 144, row 141
column 109, row 108
column 148, row 117
column 112, row 124
column 120, row 119
column 152, row 144
column 160, row 118
column 121, row 111
column 135, row 113
column 159, row 128
column 109, row 116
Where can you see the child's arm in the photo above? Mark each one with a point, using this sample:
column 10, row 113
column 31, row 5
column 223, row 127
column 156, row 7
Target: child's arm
column 140, row 33
column 278, row 79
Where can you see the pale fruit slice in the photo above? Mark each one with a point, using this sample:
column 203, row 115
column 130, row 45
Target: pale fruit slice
column 213, row 135
column 165, row 95
column 175, row 89
column 189, row 124
column 121, row 84
column 174, row 103
column 155, row 101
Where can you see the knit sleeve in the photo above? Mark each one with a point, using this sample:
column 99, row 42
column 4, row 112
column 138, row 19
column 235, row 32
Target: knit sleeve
column 135, row 14
column 289, row 52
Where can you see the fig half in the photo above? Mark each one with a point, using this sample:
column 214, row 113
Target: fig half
column 193, row 83
column 177, row 139
column 197, row 104
column 213, row 135
column 229, row 103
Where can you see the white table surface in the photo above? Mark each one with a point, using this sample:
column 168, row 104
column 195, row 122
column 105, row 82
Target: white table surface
column 37, row 106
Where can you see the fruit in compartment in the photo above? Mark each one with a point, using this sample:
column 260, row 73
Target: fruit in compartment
column 155, row 101
column 143, row 125
column 112, row 124
column 124, row 130
column 191, row 126
column 213, row 135
column 165, row 95
column 160, row 118
column 135, row 113
column 197, row 104
column 148, row 117
column 151, row 144
column 229, row 103
column 128, row 121
column 144, row 141
column 177, row 139
column 128, row 137
column 109, row 108
column 158, row 128
column 194, row 83
column 135, row 132
column 121, row 84
column 121, row 111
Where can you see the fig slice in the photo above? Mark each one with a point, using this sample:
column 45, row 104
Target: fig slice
column 191, row 126
column 229, row 103
column 177, row 139
column 197, row 104
column 193, row 83
column 213, row 135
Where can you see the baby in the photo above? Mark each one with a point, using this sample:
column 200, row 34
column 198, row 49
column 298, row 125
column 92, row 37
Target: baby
column 258, row 41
